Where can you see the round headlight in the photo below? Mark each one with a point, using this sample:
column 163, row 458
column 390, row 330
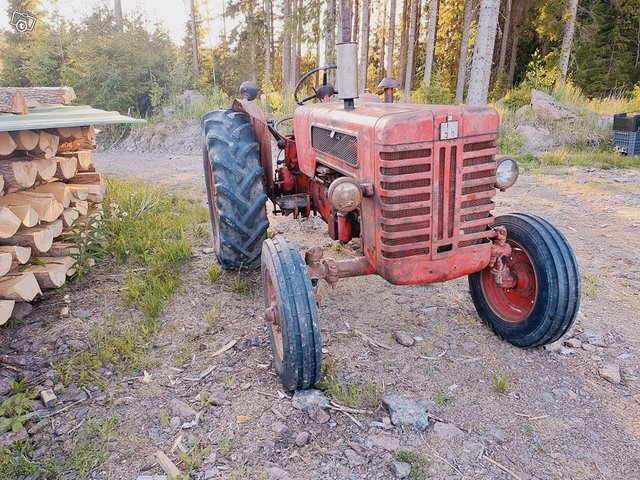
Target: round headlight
column 506, row 173
column 345, row 195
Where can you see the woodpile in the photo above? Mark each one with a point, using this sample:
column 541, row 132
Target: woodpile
column 48, row 184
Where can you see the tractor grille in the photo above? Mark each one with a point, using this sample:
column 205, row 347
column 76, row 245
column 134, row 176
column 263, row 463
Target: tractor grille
column 435, row 202
column 336, row 144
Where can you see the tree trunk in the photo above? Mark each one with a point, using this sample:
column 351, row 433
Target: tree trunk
column 567, row 40
column 356, row 21
column 518, row 19
column 483, row 53
column 346, row 17
column 404, row 40
column 411, row 51
column 330, row 33
column 382, row 39
column 118, row 14
column 504, row 40
column 268, row 54
column 364, row 47
column 464, row 50
column 194, row 39
column 390, row 43
column 431, row 41
column 491, row 44
column 286, row 49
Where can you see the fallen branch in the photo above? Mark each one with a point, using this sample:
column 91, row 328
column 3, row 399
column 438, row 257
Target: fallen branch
column 341, row 408
column 225, row 348
column 437, row 357
column 502, row 467
column 167, row 465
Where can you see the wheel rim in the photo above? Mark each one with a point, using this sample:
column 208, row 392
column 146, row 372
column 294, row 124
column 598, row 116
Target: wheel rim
column 512, row 305
column 272, row 315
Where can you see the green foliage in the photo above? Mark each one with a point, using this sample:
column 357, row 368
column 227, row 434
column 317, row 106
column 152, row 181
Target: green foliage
column 444, row 399
column 518, row 97
column 145, row 229
column 418, row 464
column 89, row 236
column 501, row 383
column 193, row 460
column 215, row 273
column 436, row 93
column 510, row 141
column 13, row 411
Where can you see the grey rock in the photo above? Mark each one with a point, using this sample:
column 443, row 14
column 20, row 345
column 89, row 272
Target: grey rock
column 400, row 469
column 281, row 429
column 611, row 373
column 566, row 393
column 22, row 310
column 384, row 442
column 497, row 435
column 547, row 397
column 596, row 340
column 473, row 450
column 49, row 398
column 82, row 413
column 558, row 347
column 82, row 313
column 276, row 473
column 5, row 385
column 407, row 413
column 447, row 431
column 548, row 109
column 302, row 439
column 318, row 415
column 211, row 473
column 308, row 399
column 353, row 457
column 175, row 422
column 180, row 409
column 589, row 348
column 573, row 343
column 404, row 339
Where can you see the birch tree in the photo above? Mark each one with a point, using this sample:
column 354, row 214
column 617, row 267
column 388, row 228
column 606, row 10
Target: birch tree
column 330, row 33
column 431, row 41
column 404, row 40
column 483, row 52
column 364, row 47
column 411, row 50
column 464, row 50
column 194, row 38
column 118, row 14
column 286, row 48
column 504, row 40
column 567, row 40
column 346, row 17
column 392, row 34
column 268, row 46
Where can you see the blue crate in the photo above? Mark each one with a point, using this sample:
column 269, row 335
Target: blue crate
column 628, row 142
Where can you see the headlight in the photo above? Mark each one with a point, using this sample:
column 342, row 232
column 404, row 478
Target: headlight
column 506, row 173
column 345, row 195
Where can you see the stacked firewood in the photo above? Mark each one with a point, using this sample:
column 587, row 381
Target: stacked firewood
column 48, row 182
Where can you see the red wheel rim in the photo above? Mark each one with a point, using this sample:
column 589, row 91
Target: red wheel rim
column 272, row 315
column 512, row 305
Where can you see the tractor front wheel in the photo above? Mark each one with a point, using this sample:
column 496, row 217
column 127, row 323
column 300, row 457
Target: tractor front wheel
column 544, row 302
column 235, row 190
column 292, row 314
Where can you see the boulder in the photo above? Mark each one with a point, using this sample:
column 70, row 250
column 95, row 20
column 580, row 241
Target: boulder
column 548, row 109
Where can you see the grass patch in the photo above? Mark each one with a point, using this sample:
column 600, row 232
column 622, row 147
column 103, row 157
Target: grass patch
column 351, row 394
column 239, row 284
column 418, row 464
column 145, row 227
column 444, row 399
column 501, row 383
column 215, row 273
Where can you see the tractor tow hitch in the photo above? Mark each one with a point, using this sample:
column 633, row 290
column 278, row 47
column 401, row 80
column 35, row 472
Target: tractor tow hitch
column 332, row 270
column 500, row 250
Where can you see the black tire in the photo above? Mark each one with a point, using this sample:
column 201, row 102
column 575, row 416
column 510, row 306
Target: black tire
column 556, row 300
column 235, row 188
column 288, row 291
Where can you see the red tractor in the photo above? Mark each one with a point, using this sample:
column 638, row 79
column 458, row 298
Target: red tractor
column 414, row 182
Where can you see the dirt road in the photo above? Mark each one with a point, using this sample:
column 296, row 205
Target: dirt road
column 558, row 419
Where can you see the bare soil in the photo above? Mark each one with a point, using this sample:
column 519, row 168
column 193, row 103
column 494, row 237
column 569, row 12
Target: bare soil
column 559, row 419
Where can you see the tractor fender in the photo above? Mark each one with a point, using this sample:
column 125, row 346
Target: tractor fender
column 262, row 136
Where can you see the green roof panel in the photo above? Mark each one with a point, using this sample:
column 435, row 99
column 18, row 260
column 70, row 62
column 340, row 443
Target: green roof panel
column 62, row 116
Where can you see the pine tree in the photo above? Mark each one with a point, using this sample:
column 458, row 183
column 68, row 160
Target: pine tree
column 483, row 53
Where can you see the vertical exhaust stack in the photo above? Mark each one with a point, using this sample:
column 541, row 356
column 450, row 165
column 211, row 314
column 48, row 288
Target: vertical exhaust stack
column 347, row 73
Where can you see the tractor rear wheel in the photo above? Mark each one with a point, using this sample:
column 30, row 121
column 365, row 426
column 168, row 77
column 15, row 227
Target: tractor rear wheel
column 545, row 301
column 235, row 189
column 292, row 314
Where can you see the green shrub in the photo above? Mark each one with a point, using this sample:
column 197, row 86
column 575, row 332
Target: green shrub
column 518, row 97
column 436, row 93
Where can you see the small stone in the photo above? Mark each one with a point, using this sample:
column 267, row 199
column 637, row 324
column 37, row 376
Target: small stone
column 82, row 413
column 82, row 313
column 497, row 435
column 589, row 348
column 208, row 251
column 48, row 397
column 353, row 458
column 308, row 399
column 9, row 438
column 276, row 473
column 407, row 413
column 400, row 469
column 611, row 373
column 558, row 347
column 302, row 439
column 404, row 339
column 175, row 423
column 180, row 409
column 384, row 442
column 211, row 473
column 38, row 427
column 22, row 310
column 280, row 428
column 447, row 431
column 595, row 339
column 5, row 385
column 566, row 393
column 318, row 415
column 473, row 449
column 573, row 343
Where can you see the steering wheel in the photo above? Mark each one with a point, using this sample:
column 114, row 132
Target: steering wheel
column 325, row 68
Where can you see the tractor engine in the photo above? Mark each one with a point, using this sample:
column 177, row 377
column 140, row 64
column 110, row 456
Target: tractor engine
column 422, row 176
